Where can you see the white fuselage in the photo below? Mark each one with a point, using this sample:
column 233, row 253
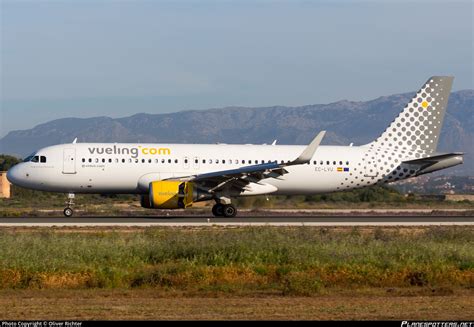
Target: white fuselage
column 129, row 168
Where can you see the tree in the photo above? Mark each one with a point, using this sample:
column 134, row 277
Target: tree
column 6, row 162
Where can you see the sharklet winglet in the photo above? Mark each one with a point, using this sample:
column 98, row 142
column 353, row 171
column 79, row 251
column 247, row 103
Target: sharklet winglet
column 308, row 153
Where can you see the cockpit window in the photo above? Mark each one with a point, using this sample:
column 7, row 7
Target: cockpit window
column 34, row 158
column 29, row 158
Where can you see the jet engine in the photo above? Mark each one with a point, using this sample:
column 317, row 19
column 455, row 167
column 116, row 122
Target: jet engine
column 172, row 195
column 168, row 195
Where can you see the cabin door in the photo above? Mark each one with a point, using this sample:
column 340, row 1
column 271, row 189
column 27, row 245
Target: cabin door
column 69, row 161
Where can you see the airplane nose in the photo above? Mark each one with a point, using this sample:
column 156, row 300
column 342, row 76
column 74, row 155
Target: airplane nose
column 13, row 174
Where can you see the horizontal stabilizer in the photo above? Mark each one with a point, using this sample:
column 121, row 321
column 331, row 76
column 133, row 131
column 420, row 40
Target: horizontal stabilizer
column 434, row 159
column 436, row 162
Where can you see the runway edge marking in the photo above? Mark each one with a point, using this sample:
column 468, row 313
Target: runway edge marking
column 210, row 224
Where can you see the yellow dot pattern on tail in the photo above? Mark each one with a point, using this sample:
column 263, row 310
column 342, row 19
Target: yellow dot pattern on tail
column 417, row 127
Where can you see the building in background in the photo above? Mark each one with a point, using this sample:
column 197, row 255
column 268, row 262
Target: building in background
column 4, row 185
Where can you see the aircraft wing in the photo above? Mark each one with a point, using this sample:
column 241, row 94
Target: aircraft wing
column 241, row 177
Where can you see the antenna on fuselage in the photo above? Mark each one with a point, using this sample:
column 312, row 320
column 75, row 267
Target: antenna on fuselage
column 75, row 141
column 274, row 142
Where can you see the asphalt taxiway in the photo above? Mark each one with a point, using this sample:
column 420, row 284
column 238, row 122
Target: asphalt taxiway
column 238, row 221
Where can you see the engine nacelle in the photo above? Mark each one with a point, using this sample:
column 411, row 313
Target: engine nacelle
column 145, row 201
column 168, row 195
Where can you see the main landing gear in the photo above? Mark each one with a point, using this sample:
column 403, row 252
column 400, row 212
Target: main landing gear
column 68, row 212
column 224, row 210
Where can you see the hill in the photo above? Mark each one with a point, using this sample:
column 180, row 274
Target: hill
column 345, row 121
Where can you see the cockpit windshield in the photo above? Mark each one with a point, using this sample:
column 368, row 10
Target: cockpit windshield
column 30, row 157
column 34, row 158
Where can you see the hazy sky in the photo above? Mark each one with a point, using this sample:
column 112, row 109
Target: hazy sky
column 116, row 58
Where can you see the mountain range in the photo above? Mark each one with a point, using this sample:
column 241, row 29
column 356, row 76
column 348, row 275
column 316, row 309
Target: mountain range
column 345, row 122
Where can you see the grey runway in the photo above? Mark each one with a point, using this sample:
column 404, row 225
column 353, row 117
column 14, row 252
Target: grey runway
column 239, row 221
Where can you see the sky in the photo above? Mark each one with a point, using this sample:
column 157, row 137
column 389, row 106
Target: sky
column 86, row 58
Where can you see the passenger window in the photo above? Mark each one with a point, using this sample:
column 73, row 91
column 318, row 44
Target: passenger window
column 243, row 161
column 90, row 159
column 96, row 159
column 123, row 160
column 175, row 160
column 328, row 163
column 149, row 160
column 217, row 161
column 340, row 162
column 43, row 159
column 196, row 161
column 103, row 160
column 321, row 162
column 143, row 160
column 210, row 161
column 162, row 160
column 185, row 160
column 110, row 160
column 314, row 162
column 223, row 161
column 169, row 160
column 83, row 160
column 347, row 163
column 333, row 162
column 203, row 161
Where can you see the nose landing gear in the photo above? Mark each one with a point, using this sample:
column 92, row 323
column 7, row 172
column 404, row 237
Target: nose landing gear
column 68, row 212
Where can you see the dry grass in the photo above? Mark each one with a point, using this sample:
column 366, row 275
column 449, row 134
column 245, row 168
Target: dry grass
column 151, row 305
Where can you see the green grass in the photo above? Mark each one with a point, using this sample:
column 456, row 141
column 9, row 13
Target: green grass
column 302, row 260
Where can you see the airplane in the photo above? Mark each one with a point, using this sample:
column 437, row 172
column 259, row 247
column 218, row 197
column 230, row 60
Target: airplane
column 174, row 176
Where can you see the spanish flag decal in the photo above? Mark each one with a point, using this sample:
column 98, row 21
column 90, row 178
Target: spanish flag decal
column 341, row 169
